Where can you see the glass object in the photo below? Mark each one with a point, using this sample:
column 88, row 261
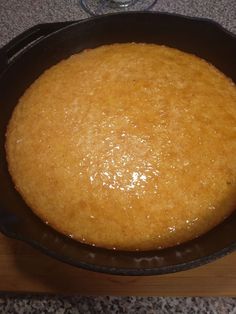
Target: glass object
column 98, row 7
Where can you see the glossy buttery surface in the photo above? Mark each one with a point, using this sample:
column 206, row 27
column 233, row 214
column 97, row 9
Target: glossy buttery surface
column 128, row 146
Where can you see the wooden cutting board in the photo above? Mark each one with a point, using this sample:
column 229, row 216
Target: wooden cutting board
column 23, row 269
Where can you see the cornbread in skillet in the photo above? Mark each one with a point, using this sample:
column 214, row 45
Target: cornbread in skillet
column 127, row 146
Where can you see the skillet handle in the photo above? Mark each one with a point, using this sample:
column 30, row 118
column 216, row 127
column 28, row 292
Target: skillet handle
column 19, row 43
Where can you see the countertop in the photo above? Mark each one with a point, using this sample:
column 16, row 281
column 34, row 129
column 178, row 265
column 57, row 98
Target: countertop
column 17, row 16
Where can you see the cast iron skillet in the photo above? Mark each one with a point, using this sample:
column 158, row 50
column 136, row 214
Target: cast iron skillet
column 28, row 55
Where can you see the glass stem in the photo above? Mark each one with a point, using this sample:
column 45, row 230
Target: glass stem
column 122, row 3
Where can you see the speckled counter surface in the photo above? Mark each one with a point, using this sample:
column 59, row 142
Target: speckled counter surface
column 116, row 305
column 17, row 16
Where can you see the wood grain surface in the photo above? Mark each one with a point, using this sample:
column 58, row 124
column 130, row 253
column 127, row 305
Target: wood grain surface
column 23, row 269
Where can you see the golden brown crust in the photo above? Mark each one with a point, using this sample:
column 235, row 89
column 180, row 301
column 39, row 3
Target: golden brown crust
column 129, row 146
